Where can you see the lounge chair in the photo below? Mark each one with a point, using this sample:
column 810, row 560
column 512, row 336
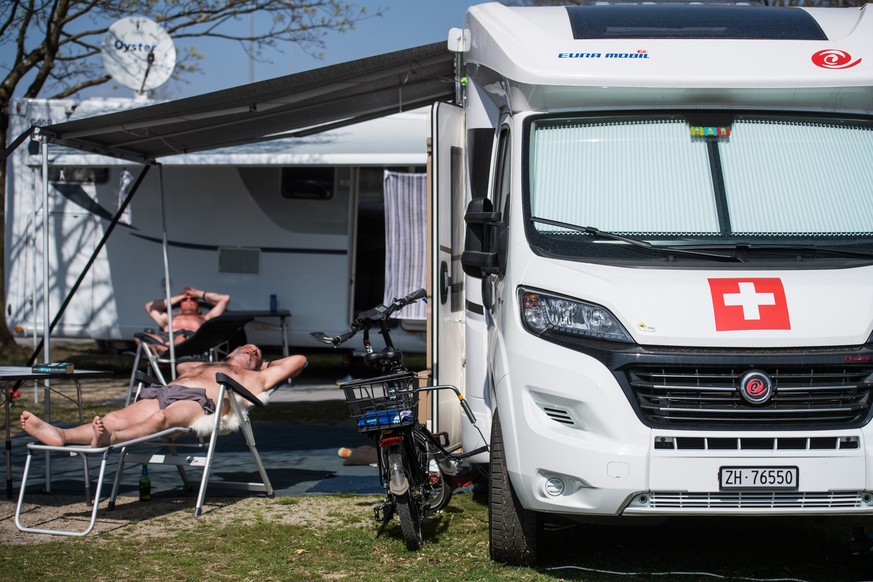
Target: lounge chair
column 208, row 429
column 214, row 340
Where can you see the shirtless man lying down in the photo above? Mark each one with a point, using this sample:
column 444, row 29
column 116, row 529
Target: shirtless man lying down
column 192, row 395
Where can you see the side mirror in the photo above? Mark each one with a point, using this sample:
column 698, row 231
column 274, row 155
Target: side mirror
column 478, row 258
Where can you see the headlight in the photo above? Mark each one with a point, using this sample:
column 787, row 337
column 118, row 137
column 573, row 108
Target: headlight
column 541, row 312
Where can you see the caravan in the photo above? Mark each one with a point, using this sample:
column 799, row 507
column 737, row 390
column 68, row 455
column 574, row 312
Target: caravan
column 654, row 261
column 295, row 224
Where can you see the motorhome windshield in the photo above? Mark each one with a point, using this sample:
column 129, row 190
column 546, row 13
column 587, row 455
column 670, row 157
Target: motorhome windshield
column 758, row 186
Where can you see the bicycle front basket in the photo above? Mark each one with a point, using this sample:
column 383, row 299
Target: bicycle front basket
column 383, row 402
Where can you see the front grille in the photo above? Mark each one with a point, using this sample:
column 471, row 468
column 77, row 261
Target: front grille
column 826, row 396
column 792, row 443
column 750, row 501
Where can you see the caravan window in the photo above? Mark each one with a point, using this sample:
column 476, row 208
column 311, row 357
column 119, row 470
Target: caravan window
column 78, row 174
column 698, row 179
column 307, row 183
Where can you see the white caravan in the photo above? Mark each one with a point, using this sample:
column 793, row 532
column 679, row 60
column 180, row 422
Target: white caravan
column 668, row 299
column 299, row 219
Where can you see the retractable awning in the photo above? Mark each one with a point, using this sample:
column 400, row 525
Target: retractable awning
column 293, row 105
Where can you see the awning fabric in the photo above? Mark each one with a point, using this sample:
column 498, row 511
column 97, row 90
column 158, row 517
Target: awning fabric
column 293, row 105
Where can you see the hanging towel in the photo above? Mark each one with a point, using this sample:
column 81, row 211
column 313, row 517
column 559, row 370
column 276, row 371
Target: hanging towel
column 405, row 239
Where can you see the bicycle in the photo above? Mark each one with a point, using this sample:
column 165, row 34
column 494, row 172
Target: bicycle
column 414, row 465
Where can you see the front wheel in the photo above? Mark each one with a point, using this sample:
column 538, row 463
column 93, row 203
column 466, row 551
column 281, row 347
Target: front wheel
column 410, row 521
column 437, row 488
column 513, row 531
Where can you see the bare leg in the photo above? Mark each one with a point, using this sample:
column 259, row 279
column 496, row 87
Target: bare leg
column 84, row 434
column 41, row 430
column 178, row 414
column 128, row 416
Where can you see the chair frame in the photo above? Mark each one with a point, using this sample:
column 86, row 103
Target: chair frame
column 162, row 439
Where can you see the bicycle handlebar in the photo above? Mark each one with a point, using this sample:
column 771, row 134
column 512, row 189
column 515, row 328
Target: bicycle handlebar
column 368, row 318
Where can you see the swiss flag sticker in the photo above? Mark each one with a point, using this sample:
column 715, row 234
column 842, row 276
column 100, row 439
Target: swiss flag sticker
column 749, row 304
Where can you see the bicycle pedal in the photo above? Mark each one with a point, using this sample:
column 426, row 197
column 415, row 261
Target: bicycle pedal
column 383, row 513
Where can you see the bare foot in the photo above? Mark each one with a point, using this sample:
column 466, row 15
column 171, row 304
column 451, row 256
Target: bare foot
column 102, row 436
column 41, row 430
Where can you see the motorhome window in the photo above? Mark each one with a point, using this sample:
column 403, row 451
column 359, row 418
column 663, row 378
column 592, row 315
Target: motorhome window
column 684, row 21
column 671, row 179
column 302, row 183
column 78, row 175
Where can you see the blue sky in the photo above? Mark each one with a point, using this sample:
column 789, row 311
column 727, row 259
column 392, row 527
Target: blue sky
column 404, row 24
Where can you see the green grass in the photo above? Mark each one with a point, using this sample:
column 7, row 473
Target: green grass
column 263, row 547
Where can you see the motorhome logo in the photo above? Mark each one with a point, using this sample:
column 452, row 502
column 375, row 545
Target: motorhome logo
column 756, row 387
column 756, row 303
column 834, row 59
column 640, row 54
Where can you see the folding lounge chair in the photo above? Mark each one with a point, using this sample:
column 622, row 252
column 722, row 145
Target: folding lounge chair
column 214, row 425
column 211, row 342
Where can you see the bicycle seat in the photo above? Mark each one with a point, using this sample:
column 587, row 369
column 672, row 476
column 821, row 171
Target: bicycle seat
column 385, row 354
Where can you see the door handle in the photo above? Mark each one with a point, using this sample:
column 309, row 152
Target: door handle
column 445, row 282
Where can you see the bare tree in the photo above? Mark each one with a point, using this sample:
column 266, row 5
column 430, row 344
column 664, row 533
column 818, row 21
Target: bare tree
column 833, row 3
column 55, row 45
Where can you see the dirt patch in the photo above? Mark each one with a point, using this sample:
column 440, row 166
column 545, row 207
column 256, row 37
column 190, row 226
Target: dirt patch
column 164, row 516
column 108, row 390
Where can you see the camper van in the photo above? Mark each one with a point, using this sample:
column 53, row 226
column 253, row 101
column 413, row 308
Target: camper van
column 294, row 225
column 653, row 273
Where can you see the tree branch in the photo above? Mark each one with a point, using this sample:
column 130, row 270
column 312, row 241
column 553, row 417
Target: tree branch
column 83, row 85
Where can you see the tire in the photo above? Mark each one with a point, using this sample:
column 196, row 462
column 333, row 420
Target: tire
column 513, row 532
column 410, row 521
column 437, row 490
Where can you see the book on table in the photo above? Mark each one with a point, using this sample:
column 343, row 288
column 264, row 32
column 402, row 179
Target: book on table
column 53, row 368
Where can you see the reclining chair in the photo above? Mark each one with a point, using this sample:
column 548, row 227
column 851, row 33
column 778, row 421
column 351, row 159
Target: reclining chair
column 213, row 341
column 208, row 428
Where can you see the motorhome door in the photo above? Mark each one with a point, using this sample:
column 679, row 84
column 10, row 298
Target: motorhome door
column 447, row 284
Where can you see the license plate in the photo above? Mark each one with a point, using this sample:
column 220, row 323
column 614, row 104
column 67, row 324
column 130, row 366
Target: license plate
column 758, row 477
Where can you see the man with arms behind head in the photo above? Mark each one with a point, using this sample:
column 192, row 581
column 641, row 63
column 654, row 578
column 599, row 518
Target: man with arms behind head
column 191, row 396
column 189, row 317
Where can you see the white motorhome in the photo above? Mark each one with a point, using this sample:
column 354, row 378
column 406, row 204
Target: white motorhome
column 666, row 301
column 300, row 219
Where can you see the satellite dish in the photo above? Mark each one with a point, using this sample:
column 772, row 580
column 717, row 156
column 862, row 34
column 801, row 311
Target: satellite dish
column 138, row 53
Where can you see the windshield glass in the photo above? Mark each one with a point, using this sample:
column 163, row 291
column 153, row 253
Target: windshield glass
column 710, row 179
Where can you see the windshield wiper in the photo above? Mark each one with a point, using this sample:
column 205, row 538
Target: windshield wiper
column 672, row 250
column 787, row 248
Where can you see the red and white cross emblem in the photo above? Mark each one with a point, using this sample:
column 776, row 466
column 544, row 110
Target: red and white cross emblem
column 757, row 303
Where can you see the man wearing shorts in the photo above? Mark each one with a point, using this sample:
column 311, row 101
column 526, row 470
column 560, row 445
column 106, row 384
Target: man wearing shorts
column 192, row 395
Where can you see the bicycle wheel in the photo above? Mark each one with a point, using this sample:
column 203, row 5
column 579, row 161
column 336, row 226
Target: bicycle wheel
column 437, row 488
column 410, row 521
